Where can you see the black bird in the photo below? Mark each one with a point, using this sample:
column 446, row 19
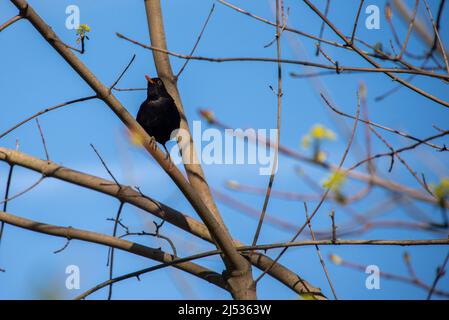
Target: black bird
column 158, row 114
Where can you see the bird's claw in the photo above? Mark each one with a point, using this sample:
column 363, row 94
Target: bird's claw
column 153, row 143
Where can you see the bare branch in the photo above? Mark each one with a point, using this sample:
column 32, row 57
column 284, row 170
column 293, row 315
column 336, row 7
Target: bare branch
column 111, row 250
column 356, row 22
column 279, row 109
column 10, row 22
column 123, row 73
column 197, row 41
column 138, row 273
column 45, row 111
column 221, row 236
column 43, row 139
column 238, row 268
column 439, row 275
column 402, row 134
column 326, row 192
column 340, row 68
column 437, row 36
column 326, row 272
column 372, row 62
column 131, row 247
column 160, row 210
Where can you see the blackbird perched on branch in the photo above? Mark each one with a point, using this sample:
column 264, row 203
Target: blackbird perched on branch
column 158, row 114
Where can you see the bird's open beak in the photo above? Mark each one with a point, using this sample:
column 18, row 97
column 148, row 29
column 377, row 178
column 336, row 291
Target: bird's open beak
column 149, row 79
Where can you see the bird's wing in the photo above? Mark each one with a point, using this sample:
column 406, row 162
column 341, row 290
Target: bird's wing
column 147, row 117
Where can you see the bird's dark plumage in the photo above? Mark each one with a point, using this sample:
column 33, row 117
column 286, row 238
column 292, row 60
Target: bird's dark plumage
column 158, row 114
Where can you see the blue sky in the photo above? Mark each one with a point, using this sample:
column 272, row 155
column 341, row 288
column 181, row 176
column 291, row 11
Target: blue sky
column 33, row 76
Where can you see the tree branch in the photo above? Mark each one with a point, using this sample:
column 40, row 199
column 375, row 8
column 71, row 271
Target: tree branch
column 128, row 195
column 371, row 61
column 125, row 245
column 239, row 269
column 341, row 69
column 220, row 234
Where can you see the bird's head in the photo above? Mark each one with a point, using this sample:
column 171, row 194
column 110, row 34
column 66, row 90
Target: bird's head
column 155, row 88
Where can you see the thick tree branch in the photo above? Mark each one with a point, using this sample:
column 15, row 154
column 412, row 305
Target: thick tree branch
column 220, row 234
column 241, row 282
column 128, row 195
column 117, row 243
column 161, row 60
column 266, row 247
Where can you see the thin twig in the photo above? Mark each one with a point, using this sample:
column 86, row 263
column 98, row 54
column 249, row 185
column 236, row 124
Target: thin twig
column 439, row 15
column 341, row 69
column 408, row 263
column 197, row 41
column 10, row 22
column 286, row 28
column 105, row 165
column 406, row 148
column 35, row 184
column 437, row 35
column 63, row 247
column 334, row 226
column 410, row 28
column 439, row 275
column 395, row 154
column 152, row 206
column 130, row 89
column 5, row 204
column 386, row 275
column 45, row 111
column 122, row 74
column 324, row 195
column 111, row 249
column 326, row 272
column 252, row 212
column 103, row 239
column 421, row 29
column 326, row 11
column 376, row 54
column 47, row 156
column 156, row 234
column 374, row 63
column 356, row 22
column 395, row 131
column 196, row 190
column 279, row 109
column 292, row 153
column 176, row 261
